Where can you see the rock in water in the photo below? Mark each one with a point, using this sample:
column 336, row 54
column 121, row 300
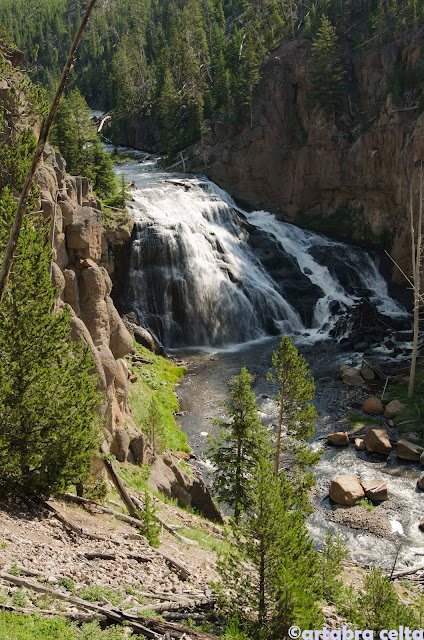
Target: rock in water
column 338, row 439
column 375, row 490
column 420, row 482
column 377, row 441
column 394, row 407
column 351, row 376
column 373, row 406
column 346, row 490
column 360, row 444
column 366, row 372
column 408, row 451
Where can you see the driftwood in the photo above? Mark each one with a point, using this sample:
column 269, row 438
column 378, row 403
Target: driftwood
column 114, row 556
column 187, row 603
column 146, row 626
column 406, row 572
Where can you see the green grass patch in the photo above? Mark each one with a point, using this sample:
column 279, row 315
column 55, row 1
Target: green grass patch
column 136, row 477
column 97, row 592
column 157, row 379
column 411, row 418
column 358, row 419
column 363, row 502
column 19, row 627
column 112, row 218
column 206, row 540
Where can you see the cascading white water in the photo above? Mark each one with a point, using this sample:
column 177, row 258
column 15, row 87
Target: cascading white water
column 205, row 272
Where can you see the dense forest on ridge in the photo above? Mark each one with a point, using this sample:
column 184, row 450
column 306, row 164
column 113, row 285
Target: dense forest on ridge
column 188, row 61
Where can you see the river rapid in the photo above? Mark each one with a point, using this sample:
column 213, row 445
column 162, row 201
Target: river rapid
column 218, row 286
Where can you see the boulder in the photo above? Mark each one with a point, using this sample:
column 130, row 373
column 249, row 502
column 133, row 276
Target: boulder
column 394, row 407
column 338, row 439
column 183, row 497
column 420, row 482
column 120, row 342
column 373, row 406
column 360, row 444
column 411, row 437
column 408, row 450
column 145, row 338
column 346, row 490
column 140, row 448
column 377, row 441
column 366, row 372
column 202, row 500
column 351, row 376
column 375, row 490
column 120, row 445
column 161, row 477
column 421, row 525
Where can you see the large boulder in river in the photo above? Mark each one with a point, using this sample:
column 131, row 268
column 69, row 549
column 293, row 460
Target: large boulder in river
column 377, row 441
column 420, row 482
column 338, row 439
column 408, row 450
column 393, row 408
column 375, row 490
column 373, row 406
column 366, row 372
column 351, row 376
column 346, row 490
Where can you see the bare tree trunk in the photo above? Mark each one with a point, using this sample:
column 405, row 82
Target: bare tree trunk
column 9, row 253
column 416, row 277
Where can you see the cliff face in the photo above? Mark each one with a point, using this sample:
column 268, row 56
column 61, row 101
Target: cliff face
column 82, row 263
column 348, row 177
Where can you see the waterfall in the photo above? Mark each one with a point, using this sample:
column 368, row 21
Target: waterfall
column 205, row 272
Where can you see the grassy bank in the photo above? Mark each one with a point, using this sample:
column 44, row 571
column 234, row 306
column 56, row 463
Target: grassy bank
column 411, row 418
column 19, row 627
column 157, row 378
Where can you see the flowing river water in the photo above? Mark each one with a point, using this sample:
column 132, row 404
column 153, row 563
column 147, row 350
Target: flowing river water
column 218, row 286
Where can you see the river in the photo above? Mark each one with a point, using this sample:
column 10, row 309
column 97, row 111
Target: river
column 218, row 285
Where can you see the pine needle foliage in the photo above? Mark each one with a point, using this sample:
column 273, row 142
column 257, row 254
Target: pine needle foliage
column 47, row 393
column 234, row 451
column 296, row 389
column 271, row 580
column 326, row 71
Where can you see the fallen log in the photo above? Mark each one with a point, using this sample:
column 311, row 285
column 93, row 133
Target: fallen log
column 406, row 572
column 166, row 526
column 113, row 615
column 169, row 605
column 77, row 616
column 125, row 496
column 183, row 571
column 147, row 626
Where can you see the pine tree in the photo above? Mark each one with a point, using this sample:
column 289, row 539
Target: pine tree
column 150, row 526
column 296, row 390
column 47, row 393
column 154, row 427
column 237, row 446
column 273, row 540
column 326, row 71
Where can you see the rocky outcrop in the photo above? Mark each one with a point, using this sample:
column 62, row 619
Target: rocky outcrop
column 347, row 176
column 85, row 286
column 170, row 479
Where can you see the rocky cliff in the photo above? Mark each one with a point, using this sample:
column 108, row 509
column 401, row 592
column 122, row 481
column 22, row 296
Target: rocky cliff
column 347, row 176
column 81, row 271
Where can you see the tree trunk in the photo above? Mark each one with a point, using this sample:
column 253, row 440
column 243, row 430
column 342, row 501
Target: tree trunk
column 416, row 275
column 238, row 480
column 10, row 250
column 278, row 443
